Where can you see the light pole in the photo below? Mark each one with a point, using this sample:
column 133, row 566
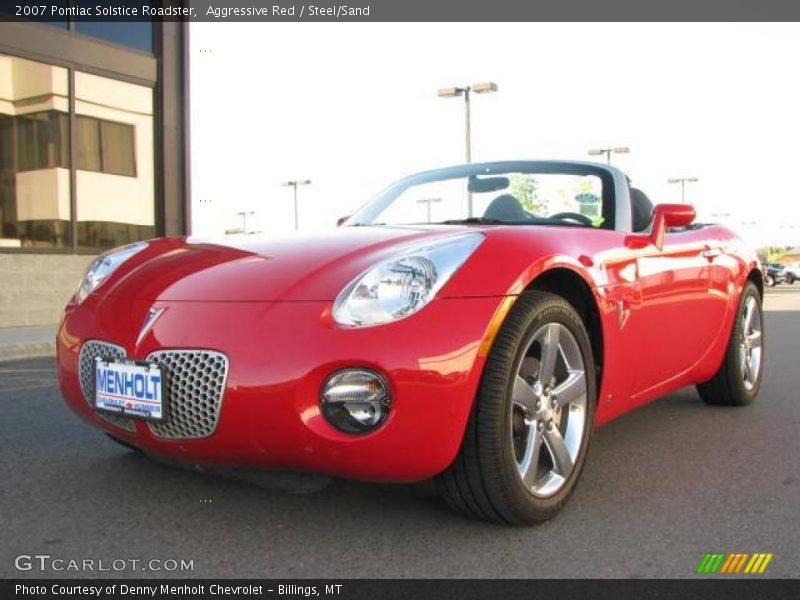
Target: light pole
column 609, row 151
column 244, row 215
column 428, row 201
column 294, row 183
column 683, row 181
column 487, row 87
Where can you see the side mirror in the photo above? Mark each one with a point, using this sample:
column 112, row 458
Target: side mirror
column 664, row 216
column 340, row 221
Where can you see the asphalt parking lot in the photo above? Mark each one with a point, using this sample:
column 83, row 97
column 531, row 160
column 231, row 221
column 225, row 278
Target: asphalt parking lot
column 663, row 486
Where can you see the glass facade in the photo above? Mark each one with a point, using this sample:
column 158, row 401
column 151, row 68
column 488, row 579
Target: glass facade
column 137, row 35
column 111, row 158
column 35, row 202
column 91, row 154
column 114, row 161
column 133, row 34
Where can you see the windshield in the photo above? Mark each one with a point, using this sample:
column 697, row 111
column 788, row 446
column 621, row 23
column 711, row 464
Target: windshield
column 492, row 195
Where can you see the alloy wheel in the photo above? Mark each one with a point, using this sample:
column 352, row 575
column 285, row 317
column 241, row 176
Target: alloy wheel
column 548, row 415
column 750, row 347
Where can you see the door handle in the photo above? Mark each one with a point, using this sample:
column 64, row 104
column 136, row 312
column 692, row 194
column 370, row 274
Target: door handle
column 711, row 253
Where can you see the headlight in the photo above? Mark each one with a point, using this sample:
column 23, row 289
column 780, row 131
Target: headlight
column 399, row 287
column 103, row 266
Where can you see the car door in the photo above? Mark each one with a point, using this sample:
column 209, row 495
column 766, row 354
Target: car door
column 681, row 307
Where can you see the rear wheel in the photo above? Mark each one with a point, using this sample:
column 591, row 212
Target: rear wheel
column 769, row 281
column 529, row 430
column 739, row 378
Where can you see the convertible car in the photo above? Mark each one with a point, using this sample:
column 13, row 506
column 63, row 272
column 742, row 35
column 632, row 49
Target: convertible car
column 471, row 324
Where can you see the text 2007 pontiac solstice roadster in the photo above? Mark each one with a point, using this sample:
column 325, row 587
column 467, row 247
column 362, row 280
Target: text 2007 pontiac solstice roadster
column 472, row 324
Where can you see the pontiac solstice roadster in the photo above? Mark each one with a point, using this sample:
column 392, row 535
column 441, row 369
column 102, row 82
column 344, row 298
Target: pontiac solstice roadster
column 471, row 324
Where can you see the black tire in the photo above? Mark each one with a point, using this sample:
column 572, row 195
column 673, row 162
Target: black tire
column 727, row 387
column 483, row 481
column 789, row 279
column 769, row 281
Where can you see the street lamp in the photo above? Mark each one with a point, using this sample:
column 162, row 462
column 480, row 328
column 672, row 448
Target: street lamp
column 244, row 215
column 487, row 87
column 428, row 201
column 683, row 181
column 294, row 183
column 609, row 151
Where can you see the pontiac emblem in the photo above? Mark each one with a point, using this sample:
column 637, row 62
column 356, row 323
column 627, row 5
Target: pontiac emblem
column 152, row 315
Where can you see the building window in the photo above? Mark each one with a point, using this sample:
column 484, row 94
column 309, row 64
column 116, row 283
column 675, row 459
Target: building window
column 133, row 34
column 105, row 146
column 35, row 179
column 138, row 35
column 42, row 140
column 115, row 185
column 112, row 172
column 37, row 12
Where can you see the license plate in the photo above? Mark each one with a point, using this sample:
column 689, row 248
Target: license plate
column 130, row 388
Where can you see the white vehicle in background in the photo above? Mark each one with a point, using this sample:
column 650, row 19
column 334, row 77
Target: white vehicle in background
column 791, row 273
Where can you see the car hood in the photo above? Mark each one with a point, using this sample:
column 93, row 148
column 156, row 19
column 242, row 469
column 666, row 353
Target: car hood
column 290, row 268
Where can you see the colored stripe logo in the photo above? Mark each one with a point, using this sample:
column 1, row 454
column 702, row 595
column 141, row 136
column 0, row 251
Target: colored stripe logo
column 734, row 563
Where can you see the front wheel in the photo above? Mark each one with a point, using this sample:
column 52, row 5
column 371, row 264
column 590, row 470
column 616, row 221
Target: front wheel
column 739, row 378
column 529, row 430
column 769, row 281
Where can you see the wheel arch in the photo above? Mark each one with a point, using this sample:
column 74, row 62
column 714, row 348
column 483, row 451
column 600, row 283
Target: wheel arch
column 757, row 277
column 571, row 286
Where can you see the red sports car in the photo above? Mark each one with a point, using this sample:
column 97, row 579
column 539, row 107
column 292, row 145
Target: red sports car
column 473, row 324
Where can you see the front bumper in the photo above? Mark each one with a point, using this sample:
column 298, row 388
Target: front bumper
column 279, row 355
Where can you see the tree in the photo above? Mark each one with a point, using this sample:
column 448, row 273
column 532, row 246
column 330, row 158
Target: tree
column 523, row 188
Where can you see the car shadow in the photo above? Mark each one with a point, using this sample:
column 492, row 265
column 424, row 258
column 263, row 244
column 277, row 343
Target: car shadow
column 315, row 499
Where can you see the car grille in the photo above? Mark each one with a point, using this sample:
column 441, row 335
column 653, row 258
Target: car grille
column 195, row 386
column 89, row 351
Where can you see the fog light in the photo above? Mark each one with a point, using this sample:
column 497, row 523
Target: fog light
column 355, row 400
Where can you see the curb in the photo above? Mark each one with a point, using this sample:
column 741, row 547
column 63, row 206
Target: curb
column 30, row 350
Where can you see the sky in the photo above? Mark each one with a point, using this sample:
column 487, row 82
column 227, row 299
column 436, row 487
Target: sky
column 354, row 106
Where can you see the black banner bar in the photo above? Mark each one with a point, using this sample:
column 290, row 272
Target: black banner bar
column 398, row 10
column 705, row 587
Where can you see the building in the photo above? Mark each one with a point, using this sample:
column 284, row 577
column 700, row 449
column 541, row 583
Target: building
column 791, row 256
column 92, row 152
